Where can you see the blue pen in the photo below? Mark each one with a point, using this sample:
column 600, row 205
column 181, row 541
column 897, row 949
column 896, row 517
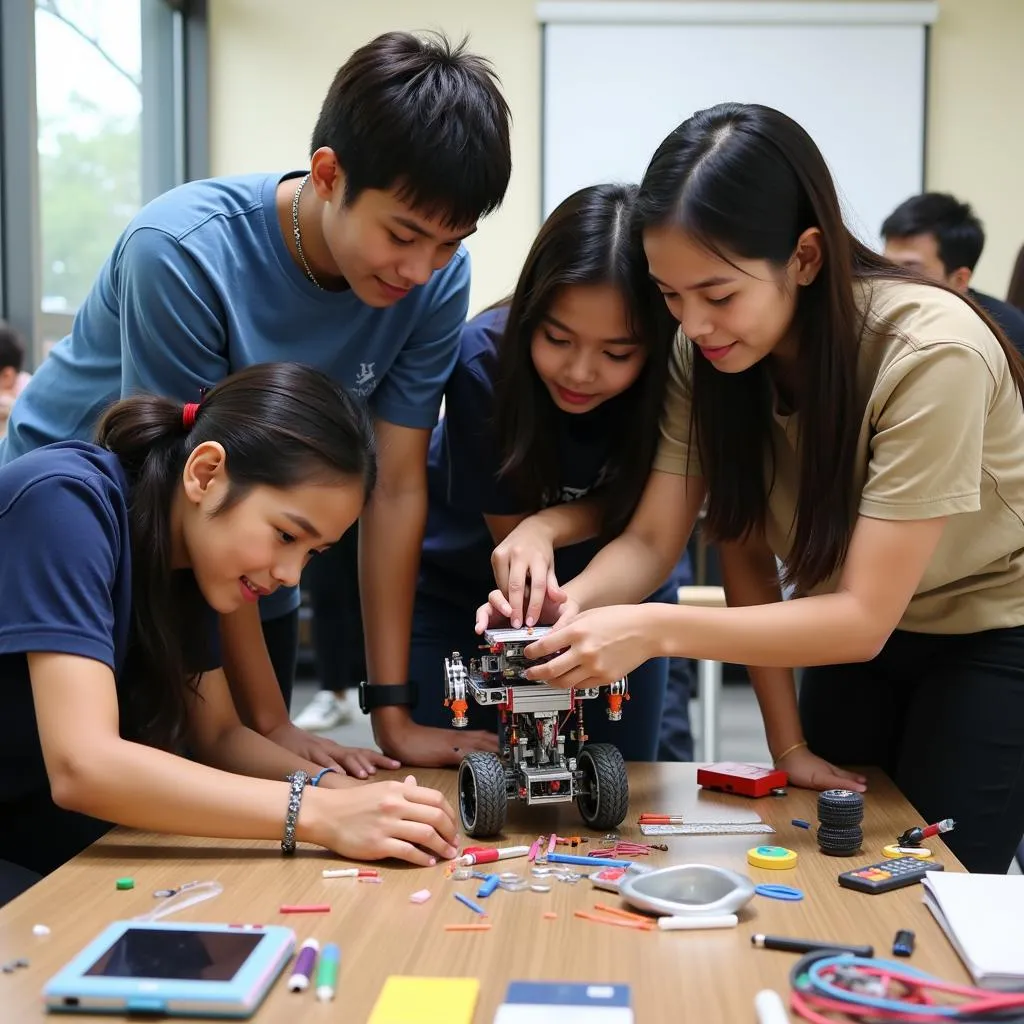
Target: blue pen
column 598, row 862
column 475, row 907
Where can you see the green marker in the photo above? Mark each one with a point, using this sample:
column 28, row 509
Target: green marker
column 327, row 972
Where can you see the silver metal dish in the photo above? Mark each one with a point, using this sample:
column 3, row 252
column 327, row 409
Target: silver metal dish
column 688, row 889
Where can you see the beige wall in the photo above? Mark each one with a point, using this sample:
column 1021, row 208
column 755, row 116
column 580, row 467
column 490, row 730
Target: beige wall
column 271, row 63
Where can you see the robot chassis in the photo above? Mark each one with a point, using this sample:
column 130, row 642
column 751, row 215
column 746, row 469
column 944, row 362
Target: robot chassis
column 532, row 763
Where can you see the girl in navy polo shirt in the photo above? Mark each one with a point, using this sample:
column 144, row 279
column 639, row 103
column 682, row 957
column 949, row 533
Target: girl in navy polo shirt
column 117, row 557
column 554, row 400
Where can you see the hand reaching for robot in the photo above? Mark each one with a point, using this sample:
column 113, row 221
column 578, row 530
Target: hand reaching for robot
column 527, row 554
column 556, row 609
column 382, row 819
column 426, row 747
column 595, row 648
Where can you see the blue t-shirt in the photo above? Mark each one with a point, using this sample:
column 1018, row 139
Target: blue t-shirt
column 202, row 284
column 65, row 587
column 464, row 480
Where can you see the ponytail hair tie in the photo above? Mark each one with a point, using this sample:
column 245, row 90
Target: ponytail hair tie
column 188, row 414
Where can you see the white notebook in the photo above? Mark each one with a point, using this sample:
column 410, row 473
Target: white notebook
column 983, row 917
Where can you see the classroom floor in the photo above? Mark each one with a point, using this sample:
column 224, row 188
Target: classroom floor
column 742, row 736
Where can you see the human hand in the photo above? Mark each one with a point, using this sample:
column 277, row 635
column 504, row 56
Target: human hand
column 355, row 761
column 382, row 819
column 557, row 608
column 428, row 747
column 596, row 648
column 809, row 771
column 524, row 569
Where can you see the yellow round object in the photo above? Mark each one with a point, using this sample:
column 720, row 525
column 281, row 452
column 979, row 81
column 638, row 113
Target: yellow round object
column 776, row 858
column 893, row 851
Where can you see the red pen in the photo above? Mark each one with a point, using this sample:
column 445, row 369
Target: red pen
column 305, row 908
column 661, row 819
column 491, row 854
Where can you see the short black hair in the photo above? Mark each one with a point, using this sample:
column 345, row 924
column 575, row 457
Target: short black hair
column 958, row 232
column 425, row 117
column 12, row 348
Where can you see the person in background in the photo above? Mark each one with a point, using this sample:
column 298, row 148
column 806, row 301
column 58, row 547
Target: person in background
column 550, row 426
column 355, row 266
column 940, row 237
column 13, row 377
column 117, row 558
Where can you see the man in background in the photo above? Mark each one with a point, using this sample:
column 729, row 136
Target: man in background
column 12, row 377
column 941, row 238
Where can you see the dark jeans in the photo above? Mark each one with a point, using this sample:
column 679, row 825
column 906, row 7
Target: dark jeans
column 332, row 582
column 440, row 627
column 37, row 837
column 675, row 741
column 943, row 716
column 282, row 637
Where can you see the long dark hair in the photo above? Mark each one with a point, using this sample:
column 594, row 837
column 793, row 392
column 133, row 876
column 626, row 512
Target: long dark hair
column 746, row 181
column 589, row 239
column 281, row 425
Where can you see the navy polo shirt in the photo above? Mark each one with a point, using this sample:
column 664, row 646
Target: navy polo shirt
column 463, row 472
column 65, row 586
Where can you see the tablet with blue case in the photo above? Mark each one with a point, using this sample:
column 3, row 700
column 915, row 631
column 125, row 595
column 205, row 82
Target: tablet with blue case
column 183, row 970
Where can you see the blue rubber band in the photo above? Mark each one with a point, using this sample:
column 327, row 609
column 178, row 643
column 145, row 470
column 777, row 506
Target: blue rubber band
column 320, row 774
column 779, row 892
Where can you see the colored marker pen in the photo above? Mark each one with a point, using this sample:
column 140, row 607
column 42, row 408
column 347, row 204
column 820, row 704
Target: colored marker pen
column 490, row 855
column 327, row 973
column 787, row 945
column 299, row 981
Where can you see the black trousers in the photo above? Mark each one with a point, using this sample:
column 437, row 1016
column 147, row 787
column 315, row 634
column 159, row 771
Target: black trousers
column 282, row 638
column 36, row 837
column 943, row 716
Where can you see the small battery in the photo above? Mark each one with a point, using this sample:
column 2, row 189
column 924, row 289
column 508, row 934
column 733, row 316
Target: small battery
column 903, row 944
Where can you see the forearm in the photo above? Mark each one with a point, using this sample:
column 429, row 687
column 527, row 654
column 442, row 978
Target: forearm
column 750, row 577
column 571, row 522
column 828, row 630
column 245, row 752
column 390, row 538
column 247, row 665
column 141, row 787
column 626, row 571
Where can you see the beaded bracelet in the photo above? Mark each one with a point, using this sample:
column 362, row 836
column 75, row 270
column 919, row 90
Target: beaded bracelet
column 298, row 781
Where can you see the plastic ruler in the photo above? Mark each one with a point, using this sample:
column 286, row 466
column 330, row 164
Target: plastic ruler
column 707, row 828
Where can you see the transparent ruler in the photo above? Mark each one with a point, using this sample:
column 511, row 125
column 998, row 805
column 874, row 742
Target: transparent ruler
column 707, row 828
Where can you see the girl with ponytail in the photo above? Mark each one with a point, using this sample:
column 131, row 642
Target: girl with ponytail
column 115, row 560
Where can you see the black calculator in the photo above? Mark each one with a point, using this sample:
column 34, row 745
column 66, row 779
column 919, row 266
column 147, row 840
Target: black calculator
column 887, row 875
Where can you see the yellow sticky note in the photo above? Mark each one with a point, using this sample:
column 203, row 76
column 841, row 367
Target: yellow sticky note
column 405, row 1000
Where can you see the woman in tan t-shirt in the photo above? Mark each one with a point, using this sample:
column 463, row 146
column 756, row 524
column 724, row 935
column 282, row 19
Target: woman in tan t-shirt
column 864, row 428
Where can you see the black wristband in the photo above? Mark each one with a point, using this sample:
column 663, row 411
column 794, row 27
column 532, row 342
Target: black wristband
column 298, row 780
column 382, row 695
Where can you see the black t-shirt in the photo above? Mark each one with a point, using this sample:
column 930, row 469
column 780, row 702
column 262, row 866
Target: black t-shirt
column 1009, row 318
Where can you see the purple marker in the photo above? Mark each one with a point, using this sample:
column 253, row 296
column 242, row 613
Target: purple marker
column 304, row 962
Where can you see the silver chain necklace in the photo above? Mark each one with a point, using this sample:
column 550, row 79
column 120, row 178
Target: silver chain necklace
column 298, row 234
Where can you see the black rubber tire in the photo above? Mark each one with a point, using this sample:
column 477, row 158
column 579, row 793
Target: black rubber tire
column 840, row 808
column 483, row 797
column 840, row 842
column 604, row 800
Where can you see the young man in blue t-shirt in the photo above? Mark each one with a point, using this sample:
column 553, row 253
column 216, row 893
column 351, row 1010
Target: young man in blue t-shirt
column 356, row 268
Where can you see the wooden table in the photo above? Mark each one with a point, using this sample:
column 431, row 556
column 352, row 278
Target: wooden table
column 709, row 976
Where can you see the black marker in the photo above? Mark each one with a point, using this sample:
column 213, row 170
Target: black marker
column 807, row 945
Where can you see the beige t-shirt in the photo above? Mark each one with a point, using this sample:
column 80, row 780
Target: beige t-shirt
column 942, row 435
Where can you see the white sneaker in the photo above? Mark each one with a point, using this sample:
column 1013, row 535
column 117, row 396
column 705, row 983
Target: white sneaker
column 322, row 713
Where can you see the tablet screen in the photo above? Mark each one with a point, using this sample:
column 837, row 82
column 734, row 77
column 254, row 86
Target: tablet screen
column 180, row 955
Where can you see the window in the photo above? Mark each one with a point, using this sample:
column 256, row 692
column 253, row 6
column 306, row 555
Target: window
column 103, row 107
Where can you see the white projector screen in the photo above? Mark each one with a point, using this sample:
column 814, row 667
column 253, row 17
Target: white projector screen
column 614, row 88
